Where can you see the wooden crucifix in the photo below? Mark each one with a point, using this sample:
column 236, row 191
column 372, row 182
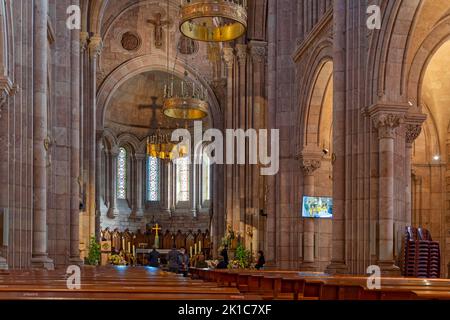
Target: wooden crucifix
column 159, row 24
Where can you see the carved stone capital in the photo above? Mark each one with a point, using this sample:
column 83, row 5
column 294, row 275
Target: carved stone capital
column 258, row 51
column 241, row 53
column 84, row 37
column 309, row 166
column 387, row 123
column 310, row 160
column 414, row 122
column 413, row 131
column 228, row 57
column 95, row 46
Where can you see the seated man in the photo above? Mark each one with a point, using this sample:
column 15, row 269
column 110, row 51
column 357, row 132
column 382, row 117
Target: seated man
column 173, row 258
column 222, row 264
column 153, row 258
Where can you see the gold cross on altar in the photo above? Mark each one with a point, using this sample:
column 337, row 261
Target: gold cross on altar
column 156, row 228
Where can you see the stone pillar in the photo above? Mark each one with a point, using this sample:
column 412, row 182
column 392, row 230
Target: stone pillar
column 167, row 186
column 338, row 259
column 138, row 211
column 310, row 162
column 413, row 130
column 193, row 188
column 386, row 119
column 98, row 185
column 40, row 257
column 75, row 150
column 258, row 109
column 112, row 211
column 228, row 55
column 240, row 123
column 95, row 48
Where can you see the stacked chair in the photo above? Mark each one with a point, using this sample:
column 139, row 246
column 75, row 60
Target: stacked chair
column 421, row 257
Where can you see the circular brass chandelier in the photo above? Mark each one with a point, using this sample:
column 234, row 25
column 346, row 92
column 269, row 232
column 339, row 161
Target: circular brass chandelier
column 213, row 20
column 185, row 100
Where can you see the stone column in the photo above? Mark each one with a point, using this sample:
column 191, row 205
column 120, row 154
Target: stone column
column 310, row 162
column 75, row 150
column 112, row 211
column 138, row 211
column 95, row 48
column 228, row 55
column 98, row 185
column 240, row 115
column 258, row 52
column 338, row 259
column 386, row 119
column 40, row 257
column 413, row 131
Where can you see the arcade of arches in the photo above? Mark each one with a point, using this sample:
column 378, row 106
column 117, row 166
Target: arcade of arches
column 363, row 118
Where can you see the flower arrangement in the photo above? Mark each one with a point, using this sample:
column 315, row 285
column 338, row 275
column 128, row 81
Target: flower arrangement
column 117, row 260
column 242, row 260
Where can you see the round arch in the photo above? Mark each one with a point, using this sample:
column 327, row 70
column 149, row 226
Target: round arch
column 151, row 62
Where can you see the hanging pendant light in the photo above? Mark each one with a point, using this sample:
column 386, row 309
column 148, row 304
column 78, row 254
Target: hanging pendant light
column 185, row 100
column 213, row 20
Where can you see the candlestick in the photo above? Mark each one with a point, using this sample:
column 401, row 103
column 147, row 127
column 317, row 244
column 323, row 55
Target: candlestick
column 200, row 246
column 134, row 250
column 195, row 248
column 190, row 251
column 123, row 244
column 129, row 251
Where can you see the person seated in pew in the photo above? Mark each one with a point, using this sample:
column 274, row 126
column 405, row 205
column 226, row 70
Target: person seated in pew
column 201, row 262
column 184, row 262
column 222, row 264
column 261, row 261
column 153, row 258
column 173, row 259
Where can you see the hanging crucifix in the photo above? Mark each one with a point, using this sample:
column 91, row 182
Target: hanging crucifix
column 159, row 24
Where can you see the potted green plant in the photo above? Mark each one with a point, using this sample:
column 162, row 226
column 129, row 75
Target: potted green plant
column 94, row 252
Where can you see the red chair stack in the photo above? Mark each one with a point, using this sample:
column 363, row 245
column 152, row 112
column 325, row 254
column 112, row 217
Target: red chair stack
column 421, row 254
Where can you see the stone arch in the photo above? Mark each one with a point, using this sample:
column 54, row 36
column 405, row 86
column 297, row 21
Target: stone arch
column 6, row 49
column 130, row 140
column 151, row 62
column 314, row 112
column 393, row 49
column 320, row 55
column 438, row 36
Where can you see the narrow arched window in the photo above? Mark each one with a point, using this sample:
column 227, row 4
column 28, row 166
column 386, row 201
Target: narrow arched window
column 122, row 168
column 182, row 179
column 206, row 178
column 153, row 179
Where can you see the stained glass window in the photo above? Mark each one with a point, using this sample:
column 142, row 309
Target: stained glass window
column 206, row 178
column 122, row 174
column 182, row 174
column 152, row 179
